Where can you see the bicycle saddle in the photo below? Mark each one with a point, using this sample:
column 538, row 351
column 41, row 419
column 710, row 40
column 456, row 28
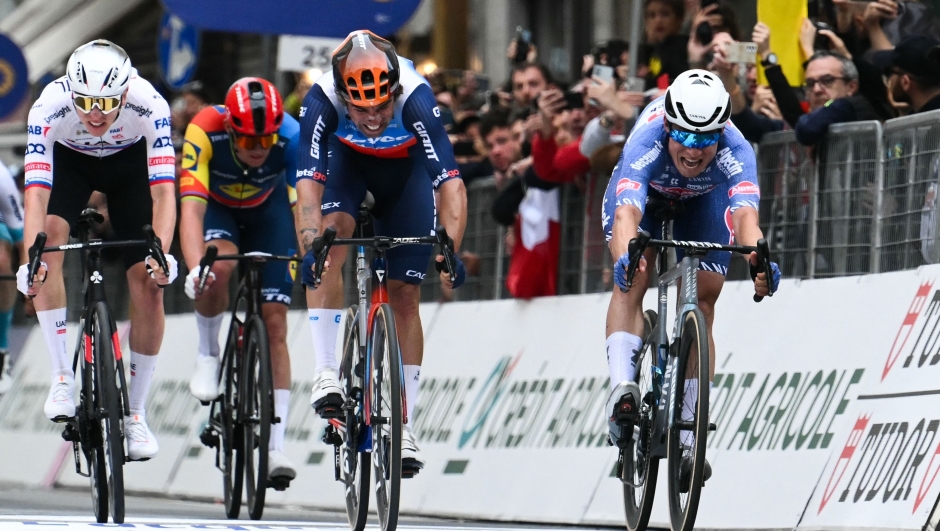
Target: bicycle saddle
column 663, row 208
column 90, row 215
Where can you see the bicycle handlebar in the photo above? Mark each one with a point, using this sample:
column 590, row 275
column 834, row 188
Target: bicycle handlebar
column 156, row 250
column 212, row 256
column 321, row 248
column 638, row 245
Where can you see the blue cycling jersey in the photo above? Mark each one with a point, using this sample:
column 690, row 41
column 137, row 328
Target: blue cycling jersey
column 416, row 124
column 645, row 163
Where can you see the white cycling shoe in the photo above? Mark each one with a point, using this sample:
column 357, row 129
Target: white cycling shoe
column 141, row 444
column 622, row 410
column 410, row 453
column 60, row 404
column 327, row 398
column 280, row 467
column 204, row 384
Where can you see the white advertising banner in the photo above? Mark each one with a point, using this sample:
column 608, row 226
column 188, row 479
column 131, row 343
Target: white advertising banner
column 824, row 399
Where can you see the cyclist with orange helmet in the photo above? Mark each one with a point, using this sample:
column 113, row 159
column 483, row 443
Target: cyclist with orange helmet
column 237, row 191
column 373, row 125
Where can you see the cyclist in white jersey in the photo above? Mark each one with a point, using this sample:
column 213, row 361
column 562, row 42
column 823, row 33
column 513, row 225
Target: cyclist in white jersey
column 11, row 234
column 102, row 128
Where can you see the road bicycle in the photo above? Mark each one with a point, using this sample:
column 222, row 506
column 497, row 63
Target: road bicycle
column 239, row 425
column 663, row 365
column 97, row 429
column 371, row 419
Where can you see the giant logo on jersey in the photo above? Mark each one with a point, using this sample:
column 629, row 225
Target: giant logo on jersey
column 239, row 190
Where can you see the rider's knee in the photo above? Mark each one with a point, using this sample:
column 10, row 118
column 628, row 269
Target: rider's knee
column 276, row 324
column 405, row 300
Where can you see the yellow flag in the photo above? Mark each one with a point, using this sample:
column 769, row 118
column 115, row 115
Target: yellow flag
column 784, row 18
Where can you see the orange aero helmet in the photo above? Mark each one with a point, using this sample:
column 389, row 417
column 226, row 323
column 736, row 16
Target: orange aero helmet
column 365, row 69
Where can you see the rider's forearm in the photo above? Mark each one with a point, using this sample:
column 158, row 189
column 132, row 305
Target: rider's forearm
column 192, row 229
column 453, row 209
column 746, row 228
column 36, row 204
column 307, row 216
column 626, row 221
column 164, row 213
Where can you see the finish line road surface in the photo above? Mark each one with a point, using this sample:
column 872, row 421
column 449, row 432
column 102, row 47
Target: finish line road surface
column 68, row 510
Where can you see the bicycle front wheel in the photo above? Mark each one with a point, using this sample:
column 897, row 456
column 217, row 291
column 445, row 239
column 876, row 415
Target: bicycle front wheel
column 230, row 438
column 687, row 436
column 107, row 480
column 639, row 470
column 354, row 464
column 259, row 410
column 385, row 405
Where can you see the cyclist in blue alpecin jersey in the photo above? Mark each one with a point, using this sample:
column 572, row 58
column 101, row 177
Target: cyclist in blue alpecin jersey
column 372, row 124
column 684, row 149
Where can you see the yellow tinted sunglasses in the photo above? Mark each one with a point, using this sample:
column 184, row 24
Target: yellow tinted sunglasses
column 104, row 104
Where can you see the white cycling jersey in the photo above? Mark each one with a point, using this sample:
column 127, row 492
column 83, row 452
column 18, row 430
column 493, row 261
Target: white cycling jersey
column 53, row 118
column 11, row 202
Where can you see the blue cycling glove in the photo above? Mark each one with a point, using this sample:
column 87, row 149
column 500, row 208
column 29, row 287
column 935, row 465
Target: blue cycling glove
column 460, row 275
column 306, row 270
column 775, row 275
column 620, row 271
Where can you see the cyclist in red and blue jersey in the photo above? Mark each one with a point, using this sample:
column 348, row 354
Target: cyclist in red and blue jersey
column 237, row 188
column 373, row 125
column 682, row 148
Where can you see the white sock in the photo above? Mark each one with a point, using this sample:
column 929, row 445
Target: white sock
column 52, row 323
column 142, row 368
column 209, row 334
column 281, row 401
column 621, row 360
column 412, row 379
column 688, row 410
column 324, row 327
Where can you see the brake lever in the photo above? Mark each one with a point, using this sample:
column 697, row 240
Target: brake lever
column 156, row 249
column 763, row 266
column 205, row 266
column 447, row 251
column 35, row 257
column 321, row 248
column 635, row 250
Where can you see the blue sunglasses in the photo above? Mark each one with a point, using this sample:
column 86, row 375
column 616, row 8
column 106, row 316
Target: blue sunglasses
column 694, row 140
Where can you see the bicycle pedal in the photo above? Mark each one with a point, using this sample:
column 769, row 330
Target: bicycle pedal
column 625, row 412
column 329, row 407
column 410, row 468
column 205, row 402
column 61, row 418
column 712, row 426
column 279, row 484
column 331, row 437
column 209, row 438
column 69, row 433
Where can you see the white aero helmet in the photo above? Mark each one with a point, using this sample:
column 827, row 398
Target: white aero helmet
column 99, row 68
column 698, row 102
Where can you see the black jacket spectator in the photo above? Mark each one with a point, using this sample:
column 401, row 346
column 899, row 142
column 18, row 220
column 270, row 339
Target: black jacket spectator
column 812, row 127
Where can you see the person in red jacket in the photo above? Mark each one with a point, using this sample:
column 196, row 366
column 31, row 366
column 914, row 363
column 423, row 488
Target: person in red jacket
column 556, row 156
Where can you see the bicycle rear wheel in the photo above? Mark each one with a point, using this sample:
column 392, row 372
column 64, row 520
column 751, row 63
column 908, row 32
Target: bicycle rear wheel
column 639, row 470
column 385, row 403
column 258, row 412
column 108, row 479
column 687, row 439
column 230, row 438
column 354, row 464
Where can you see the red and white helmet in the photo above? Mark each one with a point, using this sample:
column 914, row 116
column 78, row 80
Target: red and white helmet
column 253, row 107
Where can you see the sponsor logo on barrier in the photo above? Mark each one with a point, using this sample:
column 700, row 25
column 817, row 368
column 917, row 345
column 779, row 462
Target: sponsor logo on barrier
column 500, row 412
column 885, row 462
column 922, row 345
column 787, row 411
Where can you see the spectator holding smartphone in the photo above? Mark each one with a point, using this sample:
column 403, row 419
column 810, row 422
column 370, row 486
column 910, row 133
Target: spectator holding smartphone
column 619, row 111
column 555, row 149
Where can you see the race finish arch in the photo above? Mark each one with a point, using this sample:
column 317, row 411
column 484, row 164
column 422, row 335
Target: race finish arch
column 323, row 18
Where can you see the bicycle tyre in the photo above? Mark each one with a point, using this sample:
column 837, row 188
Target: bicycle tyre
column 638, row 502
column 386, row 403
column 92, row 445
column 108, row 391
column 258, row 413
column 683, row 507
column 355, row 476
column 233, row 466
